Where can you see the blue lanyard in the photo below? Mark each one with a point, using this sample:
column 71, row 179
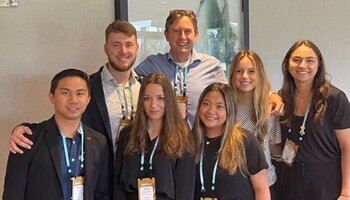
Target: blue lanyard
column 124, row 105
column 81, row 131
column 176, row 81
column 302, row 127
column 150, row 159
column 213, row 179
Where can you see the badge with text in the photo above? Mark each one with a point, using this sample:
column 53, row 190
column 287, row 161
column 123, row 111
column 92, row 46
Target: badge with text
column 289, row 152
column 182, row 103
column 77, row 188
column 147, row 188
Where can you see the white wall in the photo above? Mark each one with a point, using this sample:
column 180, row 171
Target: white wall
column 38, row 39
column 276, row 25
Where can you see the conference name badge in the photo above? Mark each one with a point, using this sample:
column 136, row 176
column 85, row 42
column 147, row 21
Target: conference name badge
column 147, row 188
column 182, row 103
column 289, row 152
column 77, row 188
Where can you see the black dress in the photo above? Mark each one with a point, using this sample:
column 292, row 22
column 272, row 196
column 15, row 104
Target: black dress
column 229, row 187
column 316, row 171
column 175, row 178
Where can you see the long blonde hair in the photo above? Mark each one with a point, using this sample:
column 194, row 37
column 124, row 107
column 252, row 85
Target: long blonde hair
column 232, row 150
column 260, row 94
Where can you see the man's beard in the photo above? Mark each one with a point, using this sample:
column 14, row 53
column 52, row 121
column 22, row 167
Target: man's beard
column 119, row 68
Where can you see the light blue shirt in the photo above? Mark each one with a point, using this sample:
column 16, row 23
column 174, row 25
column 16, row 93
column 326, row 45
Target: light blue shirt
column 203, row 70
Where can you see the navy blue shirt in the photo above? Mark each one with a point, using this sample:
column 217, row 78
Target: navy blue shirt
column 74, row 153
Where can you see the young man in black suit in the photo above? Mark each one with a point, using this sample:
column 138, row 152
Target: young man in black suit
column 68, row 159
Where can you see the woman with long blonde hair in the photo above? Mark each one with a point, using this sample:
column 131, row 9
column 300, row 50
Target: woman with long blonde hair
column 249, row 81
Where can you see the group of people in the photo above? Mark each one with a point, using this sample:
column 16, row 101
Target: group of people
column 120, row 135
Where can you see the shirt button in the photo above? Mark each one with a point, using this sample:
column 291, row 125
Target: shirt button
column 73, row 160
column 73, row 142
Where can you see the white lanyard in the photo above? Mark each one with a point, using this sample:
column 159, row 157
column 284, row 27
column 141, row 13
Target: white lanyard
column 81, row 131
column 213, row 179
column 177, row 82
column 150, row 159
column 123, row 104
column 302, row 127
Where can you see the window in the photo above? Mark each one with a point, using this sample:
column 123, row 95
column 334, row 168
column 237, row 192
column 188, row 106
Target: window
column 220, row 26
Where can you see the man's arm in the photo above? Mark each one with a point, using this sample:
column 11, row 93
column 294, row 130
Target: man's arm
column 276, row 104
column 18, row 139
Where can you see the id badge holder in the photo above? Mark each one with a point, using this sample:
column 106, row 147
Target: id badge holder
column 182, row 103
column 289, row 152
column 147, row 188
column 77, row 188
column 123, row 123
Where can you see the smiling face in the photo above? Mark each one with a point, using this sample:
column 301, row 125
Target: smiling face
column 70, row 98
column 303, row 65
column 181, row 35
column 121, row 51
column 245, row 76
column 153, row 101
column 212, row 113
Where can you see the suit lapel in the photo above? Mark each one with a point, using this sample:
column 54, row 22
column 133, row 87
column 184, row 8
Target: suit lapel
column 54, row 147
column 89, row 157
column 99, row 98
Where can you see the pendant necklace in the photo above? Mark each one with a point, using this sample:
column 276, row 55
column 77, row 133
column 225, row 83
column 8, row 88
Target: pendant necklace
column 207, row 142
column 302, row 127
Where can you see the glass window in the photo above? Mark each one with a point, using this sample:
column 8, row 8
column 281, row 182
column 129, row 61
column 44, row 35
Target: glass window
column 219, row 24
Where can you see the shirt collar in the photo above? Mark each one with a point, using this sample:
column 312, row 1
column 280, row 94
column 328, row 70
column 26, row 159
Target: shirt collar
column 195, row 57
column 107, row 77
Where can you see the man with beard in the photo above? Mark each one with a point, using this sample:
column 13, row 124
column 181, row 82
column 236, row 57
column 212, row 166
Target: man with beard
column 114, row 90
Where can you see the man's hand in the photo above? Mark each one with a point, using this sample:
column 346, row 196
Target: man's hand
column 276, row 104
column 18, row 139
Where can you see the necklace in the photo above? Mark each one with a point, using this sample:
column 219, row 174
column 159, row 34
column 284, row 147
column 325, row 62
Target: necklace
column 210, row 140
column 302, row 127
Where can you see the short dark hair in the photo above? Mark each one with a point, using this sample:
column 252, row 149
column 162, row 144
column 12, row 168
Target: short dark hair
column 69, row 73
column 121, row 26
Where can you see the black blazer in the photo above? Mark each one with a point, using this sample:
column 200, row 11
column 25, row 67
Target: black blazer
column 37, row 173
column 96, row 116
column 96, row 113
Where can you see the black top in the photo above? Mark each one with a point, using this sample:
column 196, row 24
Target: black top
column 319, row 144
column 175, row 178
column 230, row 187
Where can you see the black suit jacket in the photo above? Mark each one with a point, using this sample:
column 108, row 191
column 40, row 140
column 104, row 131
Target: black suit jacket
column 96, row 113
column 96, row 116
column 37, row 173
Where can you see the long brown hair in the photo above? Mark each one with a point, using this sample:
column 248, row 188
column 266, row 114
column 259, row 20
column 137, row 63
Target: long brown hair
column 320, row 87
column 260, row 94
column 232, row 150
column 175, row 138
